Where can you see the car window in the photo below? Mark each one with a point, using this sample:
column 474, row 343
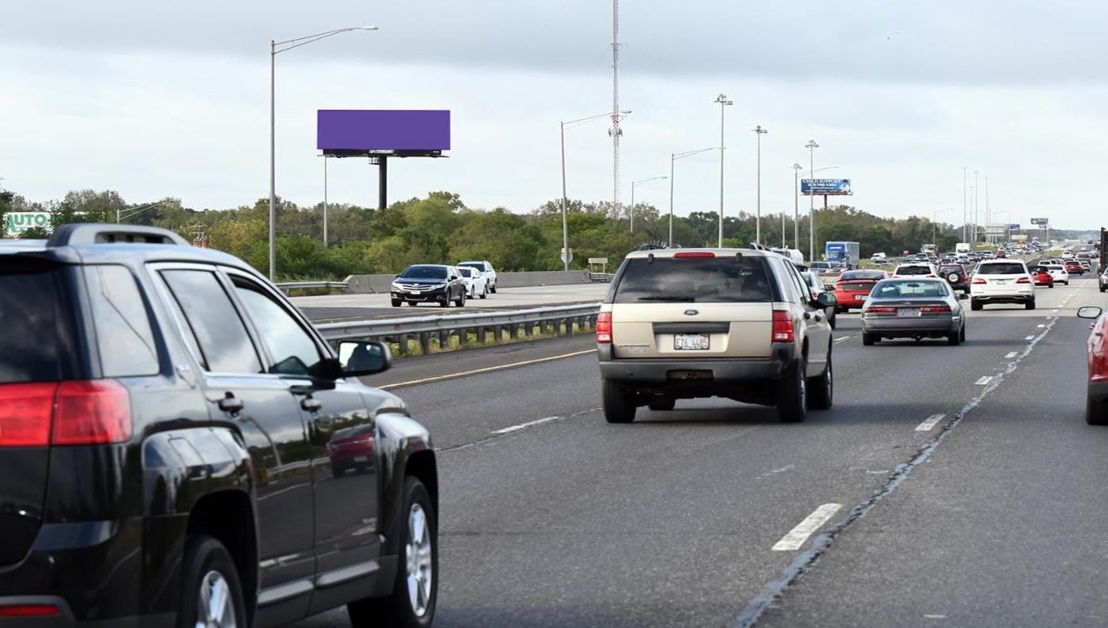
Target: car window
column 424, row 272
column 220, row 334
column 292, row 349
column 700, row 280
column 123, row 332
column 1001, row 269
column 466, row 271
column 38, row 344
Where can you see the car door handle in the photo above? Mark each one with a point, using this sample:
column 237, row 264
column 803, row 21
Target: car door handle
column 231, row 403
column 311, row 404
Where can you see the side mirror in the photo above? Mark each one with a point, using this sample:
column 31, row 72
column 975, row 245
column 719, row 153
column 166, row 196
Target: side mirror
column 1089, row 311
column 364, row 357
column 827, row 299
column 962, row 296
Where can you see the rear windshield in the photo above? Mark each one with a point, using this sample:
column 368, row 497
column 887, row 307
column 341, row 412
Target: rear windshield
column 693, row 280
column 1001, row 269
column 424, row 272
column 36, row 345
column 913, row 270
column 856, row 275
column 896, row 288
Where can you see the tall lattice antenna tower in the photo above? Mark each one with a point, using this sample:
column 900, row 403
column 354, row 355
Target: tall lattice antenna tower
column 615, row 131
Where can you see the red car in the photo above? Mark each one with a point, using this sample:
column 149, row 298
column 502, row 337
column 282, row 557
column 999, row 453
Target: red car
column 1041, row 276
column 1096, row 396
column 1074, row 267
column 853, row 287
column 351, row 448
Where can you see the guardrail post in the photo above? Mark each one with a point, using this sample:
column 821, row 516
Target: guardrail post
column 425, row 343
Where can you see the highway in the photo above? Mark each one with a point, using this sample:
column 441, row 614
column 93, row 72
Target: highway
column 948, row 486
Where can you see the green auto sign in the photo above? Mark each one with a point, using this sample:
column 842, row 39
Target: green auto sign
column 16, row 223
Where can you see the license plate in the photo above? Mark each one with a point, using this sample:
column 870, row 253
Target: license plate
column 361, row 459
column 691, row 342
column 415, row 292
column 863, row 297
column 1001, row 282
column 908, row 312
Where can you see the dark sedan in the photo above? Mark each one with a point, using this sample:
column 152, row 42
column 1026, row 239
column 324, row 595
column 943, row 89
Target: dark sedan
column 914, row 308
column 429, row 283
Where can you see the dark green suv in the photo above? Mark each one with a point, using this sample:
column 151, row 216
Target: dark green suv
column 165, row 422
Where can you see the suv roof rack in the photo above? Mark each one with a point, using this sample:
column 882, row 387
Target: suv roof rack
column 103, row 233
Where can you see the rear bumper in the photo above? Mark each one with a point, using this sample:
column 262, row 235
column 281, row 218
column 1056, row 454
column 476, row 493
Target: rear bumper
column 675, row 374
column 909, row 327
column 65, row 618
column 425, row 296
column 1098, row 391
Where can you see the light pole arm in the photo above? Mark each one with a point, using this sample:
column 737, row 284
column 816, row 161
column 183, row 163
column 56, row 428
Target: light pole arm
column 308, row 39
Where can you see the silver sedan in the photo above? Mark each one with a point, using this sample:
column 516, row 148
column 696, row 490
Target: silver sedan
column 913, row 308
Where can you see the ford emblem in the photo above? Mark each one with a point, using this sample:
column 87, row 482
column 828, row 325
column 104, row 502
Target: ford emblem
column 691, row 312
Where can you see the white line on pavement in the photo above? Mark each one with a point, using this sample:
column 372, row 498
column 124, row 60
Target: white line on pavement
column 499, row 367
column 1029, row 338
column 984, row 380
column 1011, row 355
column 523, row 426
column 798, row 535
column 1041, row 326
column 930, row 422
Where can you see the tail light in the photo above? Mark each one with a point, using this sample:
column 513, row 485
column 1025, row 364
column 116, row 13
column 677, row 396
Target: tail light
column 30, row 610
column 82, row 412
column 934, row 309
column 979, row 280
column 783, row 330
column 881, row 309
column 604, row 328
column 1023, row 280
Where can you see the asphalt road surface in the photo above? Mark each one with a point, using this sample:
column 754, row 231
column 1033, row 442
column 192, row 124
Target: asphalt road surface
column 948, row 486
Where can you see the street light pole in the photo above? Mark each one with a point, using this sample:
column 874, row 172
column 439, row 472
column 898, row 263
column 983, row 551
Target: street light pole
column 758, row 217
column 723, row 102
column 975, row 173
column 965, row 216
column 325, row 201
column 796, row 206
column 565, row 224
column 276, row 47
column 631, row 213
column 811, row 146
column 673, row 157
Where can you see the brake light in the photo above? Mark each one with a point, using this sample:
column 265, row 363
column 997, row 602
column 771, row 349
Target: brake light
column 604, row 328
column 30, row 610
column 881, row 309
column 1023, row 280
column 783, row 330
column 979, row 280
column 934, row 309
column 694, row 255
column 82, row 412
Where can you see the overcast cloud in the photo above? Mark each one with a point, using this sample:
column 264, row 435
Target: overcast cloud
column 157, row 99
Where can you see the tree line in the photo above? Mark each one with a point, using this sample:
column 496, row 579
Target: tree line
column 440, row 228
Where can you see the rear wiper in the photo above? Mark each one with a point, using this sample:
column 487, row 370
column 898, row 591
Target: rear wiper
column 671, row 299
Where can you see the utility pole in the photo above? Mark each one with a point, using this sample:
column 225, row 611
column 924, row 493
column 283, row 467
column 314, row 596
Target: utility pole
column 615, row 131
column 758, row 218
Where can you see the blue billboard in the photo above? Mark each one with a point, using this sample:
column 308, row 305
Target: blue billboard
column 831, row 187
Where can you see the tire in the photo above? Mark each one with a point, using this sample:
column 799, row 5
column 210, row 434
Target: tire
column 396, row 302
column 493, row 289
column 484, row 292
column 954, row 338
column 868, row 339
column 1096, row 412
column 821, row 389
column 831, row 321
column 337, row 471
column 1030, row 304
column 974, row 304
column 411, row 603
column 461, row 300
column 619, row 405
column 208, row 577
column 663, row 405
column 445, row 301
column 962, row 332
column 791, row 397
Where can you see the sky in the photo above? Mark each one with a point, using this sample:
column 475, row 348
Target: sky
column 930, row 108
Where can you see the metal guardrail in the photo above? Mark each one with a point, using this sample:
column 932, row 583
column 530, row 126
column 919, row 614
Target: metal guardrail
column 559, row 320
column 311, row 285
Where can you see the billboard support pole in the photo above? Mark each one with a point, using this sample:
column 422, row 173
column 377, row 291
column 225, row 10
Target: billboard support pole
column 382, row 182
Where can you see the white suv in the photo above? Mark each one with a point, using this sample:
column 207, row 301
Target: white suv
column 486, row 269
column 1002, row 281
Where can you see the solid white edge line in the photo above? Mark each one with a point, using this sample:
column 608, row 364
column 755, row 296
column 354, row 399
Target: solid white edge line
column 984, row 380
column 798, row 535
column 499, row 367
column 930, row 422
column 523, row 426
column 1011, row 355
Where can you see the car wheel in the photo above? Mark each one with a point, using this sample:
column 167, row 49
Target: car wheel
column 791, row 394
column 461, row 300
column 493, row 289
column 974, row 304
column 868, row 339
column 619, row 404
column 211, row 594
column 1102, row 288
column 821, row 390
column 962, row 333
column 1030, row 304
column 411, row 603
column 445, row 301
column 396, row 302
column 954, row 338
column 831, row 320
column 337, row 471
column 484, row 292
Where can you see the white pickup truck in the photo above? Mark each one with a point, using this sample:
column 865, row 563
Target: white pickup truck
column 486, row 269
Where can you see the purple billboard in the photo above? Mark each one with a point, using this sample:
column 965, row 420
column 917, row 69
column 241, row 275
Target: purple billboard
column 422, row 131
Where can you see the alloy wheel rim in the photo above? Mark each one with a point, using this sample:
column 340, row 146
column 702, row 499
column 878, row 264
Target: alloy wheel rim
column 214, row 607
column 419, row 555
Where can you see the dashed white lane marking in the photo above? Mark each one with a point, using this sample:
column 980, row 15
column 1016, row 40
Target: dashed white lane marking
column 839, row 341
column 930, row 422
column 523, row 426
column 1029, row 338
column 499, row 367
column 1041, row 326
column 984, row 381
column 798, row 535
column 1011, row 354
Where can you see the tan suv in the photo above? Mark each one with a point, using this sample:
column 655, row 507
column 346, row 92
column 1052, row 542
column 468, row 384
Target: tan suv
column 735, row 323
